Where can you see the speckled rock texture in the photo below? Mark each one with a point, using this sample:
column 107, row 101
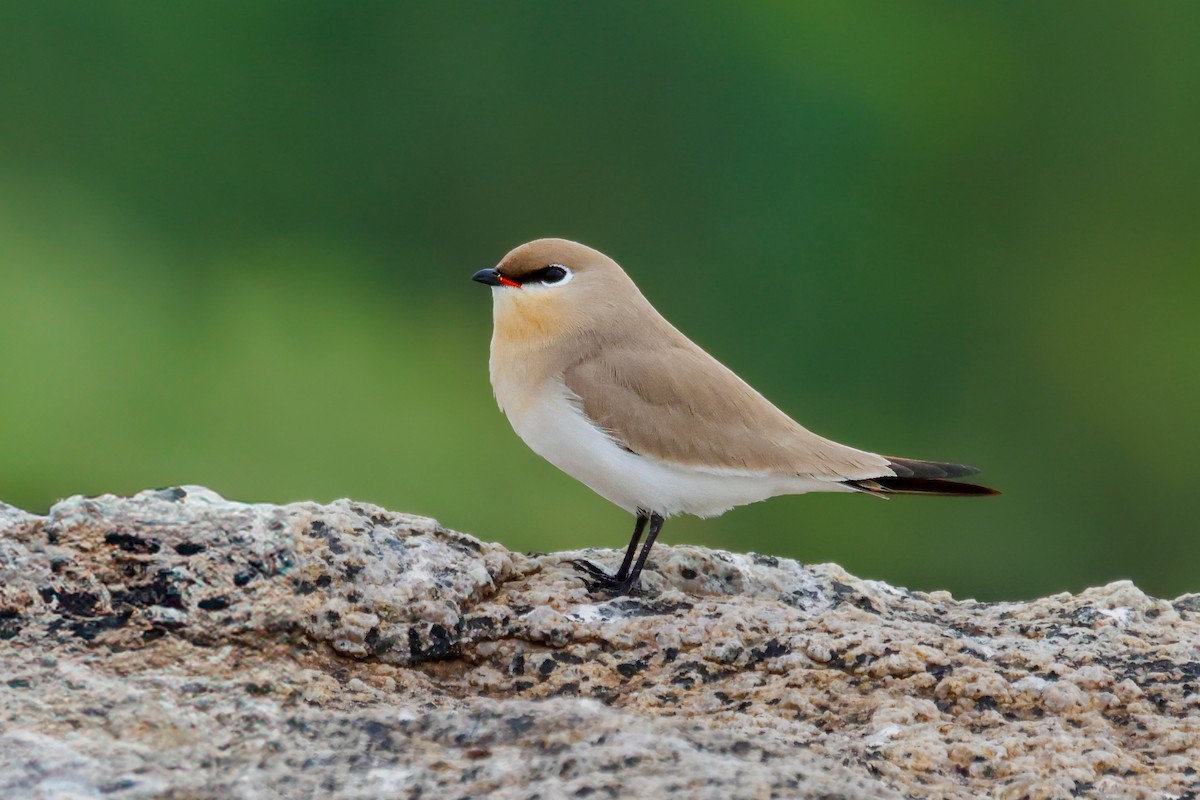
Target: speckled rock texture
column 178, row 645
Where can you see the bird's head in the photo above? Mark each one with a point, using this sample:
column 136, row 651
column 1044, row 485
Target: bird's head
column 550, row 288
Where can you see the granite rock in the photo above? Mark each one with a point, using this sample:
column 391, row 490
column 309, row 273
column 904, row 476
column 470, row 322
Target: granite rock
column 176, row 644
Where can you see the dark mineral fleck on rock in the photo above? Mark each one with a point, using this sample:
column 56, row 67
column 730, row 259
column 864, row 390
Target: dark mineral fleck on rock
column 130, row 543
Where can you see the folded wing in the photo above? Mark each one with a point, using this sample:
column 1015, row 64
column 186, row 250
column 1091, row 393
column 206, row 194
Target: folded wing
column 680, row 405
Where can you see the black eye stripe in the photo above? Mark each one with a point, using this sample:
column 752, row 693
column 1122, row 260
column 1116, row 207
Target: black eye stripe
column 554, row 273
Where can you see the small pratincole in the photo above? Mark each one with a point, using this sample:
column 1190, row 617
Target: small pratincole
column 599, row 384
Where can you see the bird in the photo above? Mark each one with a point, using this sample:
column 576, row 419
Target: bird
column 597, row 382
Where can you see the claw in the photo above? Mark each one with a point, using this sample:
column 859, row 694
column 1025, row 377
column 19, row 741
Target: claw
column 601, row 580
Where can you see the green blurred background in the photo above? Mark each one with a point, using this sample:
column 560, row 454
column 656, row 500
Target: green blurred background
column 236, row 241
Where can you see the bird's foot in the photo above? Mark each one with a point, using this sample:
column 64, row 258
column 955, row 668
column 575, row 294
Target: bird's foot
column 602, row 581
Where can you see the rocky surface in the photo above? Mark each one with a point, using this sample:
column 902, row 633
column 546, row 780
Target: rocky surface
column 176, row 644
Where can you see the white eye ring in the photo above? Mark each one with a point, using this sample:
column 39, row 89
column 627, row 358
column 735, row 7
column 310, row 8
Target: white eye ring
column 566, row 278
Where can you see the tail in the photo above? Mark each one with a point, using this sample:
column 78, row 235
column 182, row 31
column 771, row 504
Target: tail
column 923, row 477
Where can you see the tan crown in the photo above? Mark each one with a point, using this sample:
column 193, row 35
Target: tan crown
column 540, row 253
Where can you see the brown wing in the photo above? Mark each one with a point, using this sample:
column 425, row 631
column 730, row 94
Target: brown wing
column 679, row 404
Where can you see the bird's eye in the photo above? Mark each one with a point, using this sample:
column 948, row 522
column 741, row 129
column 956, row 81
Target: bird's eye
column 555, row 274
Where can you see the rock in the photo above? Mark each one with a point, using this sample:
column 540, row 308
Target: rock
column 175, row 644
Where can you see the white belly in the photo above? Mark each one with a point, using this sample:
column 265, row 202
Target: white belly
column 554, row 427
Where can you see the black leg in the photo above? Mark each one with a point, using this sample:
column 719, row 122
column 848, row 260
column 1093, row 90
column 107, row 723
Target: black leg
column 642, row 519
column 625, row 580
column 656, row 523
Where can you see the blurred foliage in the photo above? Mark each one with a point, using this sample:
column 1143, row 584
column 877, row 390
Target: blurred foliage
column 236, row 241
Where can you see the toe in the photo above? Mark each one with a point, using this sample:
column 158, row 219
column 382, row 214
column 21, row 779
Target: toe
column 591, row 569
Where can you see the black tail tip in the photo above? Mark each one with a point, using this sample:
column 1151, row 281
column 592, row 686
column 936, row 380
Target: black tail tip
column 900, row 484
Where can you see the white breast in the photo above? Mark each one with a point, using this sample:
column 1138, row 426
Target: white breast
column 551, row 422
